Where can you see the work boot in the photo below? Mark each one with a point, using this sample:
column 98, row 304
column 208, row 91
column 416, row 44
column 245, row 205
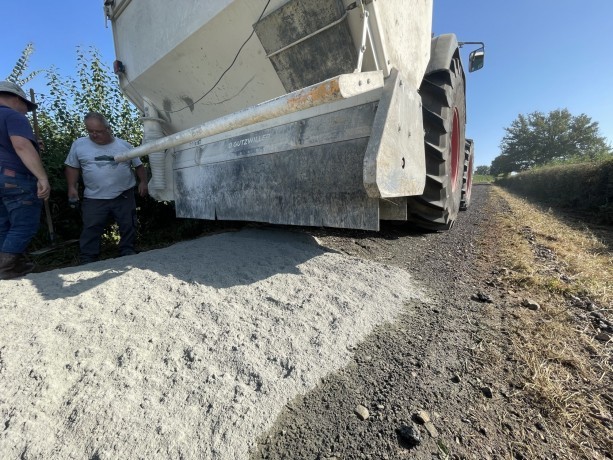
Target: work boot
column 13, row 266
column 23, row 265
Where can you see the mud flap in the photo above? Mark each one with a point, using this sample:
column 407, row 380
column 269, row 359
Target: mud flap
column 307, row 42
column 306, row 172
column 394, row 163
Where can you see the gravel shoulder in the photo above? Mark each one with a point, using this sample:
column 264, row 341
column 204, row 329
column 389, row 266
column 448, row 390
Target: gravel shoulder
column 438, row 382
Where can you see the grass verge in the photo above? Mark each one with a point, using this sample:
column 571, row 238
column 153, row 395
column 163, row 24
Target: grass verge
column 562, row 350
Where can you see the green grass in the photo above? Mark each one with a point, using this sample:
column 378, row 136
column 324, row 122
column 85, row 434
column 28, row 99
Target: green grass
column 481, row 179
column 582, row 187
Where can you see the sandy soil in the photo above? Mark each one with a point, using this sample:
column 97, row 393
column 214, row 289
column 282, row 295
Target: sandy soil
column 185, row 352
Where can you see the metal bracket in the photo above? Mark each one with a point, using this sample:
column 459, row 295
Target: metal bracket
column 366, row 33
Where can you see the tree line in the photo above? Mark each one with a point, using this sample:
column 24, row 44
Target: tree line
column 539, row 139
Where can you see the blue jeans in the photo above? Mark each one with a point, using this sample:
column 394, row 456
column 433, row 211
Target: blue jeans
column 96, row 214
column 19, row 211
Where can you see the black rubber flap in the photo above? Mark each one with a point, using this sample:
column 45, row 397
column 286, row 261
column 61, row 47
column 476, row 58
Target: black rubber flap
column 327, row 54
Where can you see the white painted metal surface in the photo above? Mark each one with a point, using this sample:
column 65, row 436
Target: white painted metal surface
column 199, row 73
column 394, row 161
column 175, row 52
column 341, row 87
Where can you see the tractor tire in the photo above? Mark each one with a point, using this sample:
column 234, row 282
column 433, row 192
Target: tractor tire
column 444, row 114
column 467, row 180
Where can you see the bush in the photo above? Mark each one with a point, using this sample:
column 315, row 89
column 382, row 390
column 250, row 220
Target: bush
column 60, row 122
column 586, row 186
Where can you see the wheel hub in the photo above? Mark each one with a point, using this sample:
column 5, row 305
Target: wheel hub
column 455, row 150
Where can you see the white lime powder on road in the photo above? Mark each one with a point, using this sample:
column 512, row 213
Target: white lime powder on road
column 185, row 352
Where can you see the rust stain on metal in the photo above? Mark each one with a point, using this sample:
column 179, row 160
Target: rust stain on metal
column 316, row 95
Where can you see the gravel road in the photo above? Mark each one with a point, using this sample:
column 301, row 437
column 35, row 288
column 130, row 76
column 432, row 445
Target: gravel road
column 263, row 343
column 420, row 364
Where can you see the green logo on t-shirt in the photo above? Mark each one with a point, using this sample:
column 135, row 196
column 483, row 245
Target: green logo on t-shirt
column 105, row 158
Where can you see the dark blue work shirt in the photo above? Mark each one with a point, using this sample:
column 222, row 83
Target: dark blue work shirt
column 13, row 123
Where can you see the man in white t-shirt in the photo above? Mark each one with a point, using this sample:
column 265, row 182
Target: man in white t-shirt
column 109, row 186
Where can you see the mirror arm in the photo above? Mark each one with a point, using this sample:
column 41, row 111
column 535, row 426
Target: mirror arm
column 461, row 44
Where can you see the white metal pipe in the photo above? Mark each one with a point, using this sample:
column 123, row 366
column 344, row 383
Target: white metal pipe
column 337, row 88
column 363, row 44
column 372, row 45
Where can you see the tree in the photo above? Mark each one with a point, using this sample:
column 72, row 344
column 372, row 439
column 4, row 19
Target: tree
column 17, row 74
column 60, row 121
column 536, row 139
column 482, row 170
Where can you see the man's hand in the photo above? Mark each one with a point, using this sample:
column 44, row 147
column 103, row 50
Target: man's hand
column 141, row 173
column 143, row 189
column 43, row 189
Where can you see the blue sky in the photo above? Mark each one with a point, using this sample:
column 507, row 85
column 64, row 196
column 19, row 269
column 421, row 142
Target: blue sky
column 540, row 55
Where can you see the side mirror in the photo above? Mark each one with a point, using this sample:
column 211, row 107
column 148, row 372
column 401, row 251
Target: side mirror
column 476, row 59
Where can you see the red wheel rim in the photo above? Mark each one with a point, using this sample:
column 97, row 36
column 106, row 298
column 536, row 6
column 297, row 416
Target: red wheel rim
column 455, row 150
column 469, row 179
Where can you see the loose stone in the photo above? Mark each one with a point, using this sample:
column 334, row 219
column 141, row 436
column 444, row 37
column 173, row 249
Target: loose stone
column 361, row 412
column 410, row 434
column 531, row 304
